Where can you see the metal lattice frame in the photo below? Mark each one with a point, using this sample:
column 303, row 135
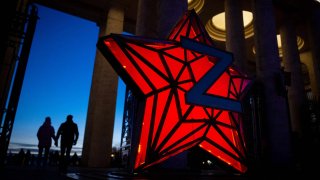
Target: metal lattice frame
column 127, row 124
column 25, row 40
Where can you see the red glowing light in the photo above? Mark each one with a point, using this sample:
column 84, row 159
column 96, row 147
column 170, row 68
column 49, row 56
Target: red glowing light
column 164, row 72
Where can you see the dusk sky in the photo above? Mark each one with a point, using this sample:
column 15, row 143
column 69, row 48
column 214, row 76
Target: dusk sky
column 58, row 77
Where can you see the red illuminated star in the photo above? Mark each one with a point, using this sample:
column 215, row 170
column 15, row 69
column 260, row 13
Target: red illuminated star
column 192, row 94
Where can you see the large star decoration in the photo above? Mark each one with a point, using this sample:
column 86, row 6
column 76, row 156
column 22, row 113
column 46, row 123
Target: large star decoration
column 192, row 93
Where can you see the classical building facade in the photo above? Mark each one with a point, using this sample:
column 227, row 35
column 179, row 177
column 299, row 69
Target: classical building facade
column 275, row 41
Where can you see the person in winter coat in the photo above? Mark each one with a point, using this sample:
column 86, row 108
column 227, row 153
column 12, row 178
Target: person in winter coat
column 45, row 135
column 69, row 133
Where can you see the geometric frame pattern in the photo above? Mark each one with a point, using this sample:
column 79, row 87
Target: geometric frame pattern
column 192, row 93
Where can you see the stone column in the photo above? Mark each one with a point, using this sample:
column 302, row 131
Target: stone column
column 277, row 152
column 156, row 18
column 314, row 38
column 292, row 64
column 306, row 58
column 146, row 19
column 169, row 13
column 235, row 41
column 97, row 145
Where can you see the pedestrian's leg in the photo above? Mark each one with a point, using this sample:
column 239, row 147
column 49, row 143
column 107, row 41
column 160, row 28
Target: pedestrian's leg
column 62, row 165
column 67, row 157
column 46, row 155
column 40, row 156
column 68, row 152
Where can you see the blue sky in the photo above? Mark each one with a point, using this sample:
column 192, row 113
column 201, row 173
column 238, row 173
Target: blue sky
column 58, row 77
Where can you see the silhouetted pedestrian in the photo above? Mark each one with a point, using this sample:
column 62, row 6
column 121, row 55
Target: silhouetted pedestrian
column 44, row 134
column 69, row 136
column 20, row 157
column 27, row 158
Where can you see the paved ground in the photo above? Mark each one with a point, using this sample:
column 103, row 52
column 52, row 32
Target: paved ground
column 81, row 173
